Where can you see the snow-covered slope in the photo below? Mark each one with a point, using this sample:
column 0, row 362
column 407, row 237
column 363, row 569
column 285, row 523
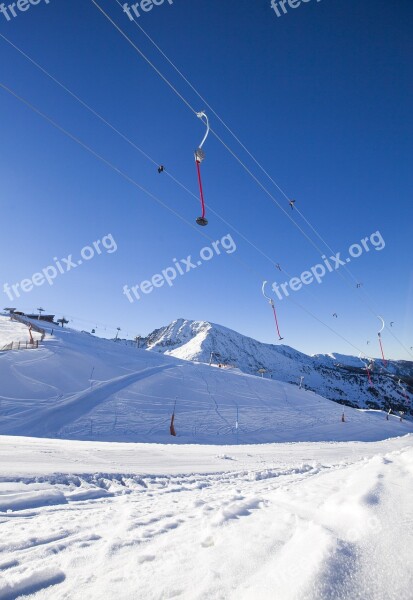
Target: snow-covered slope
column 86, row 520
column 337, row 377
column 90, row 519
column 81, row 387
column 11, row 331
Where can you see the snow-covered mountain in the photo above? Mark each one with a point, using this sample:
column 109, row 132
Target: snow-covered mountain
column 335, row 376
column 77, row 386
column 84, row 518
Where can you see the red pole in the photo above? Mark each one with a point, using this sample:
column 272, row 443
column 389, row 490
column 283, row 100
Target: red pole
column 276, row 320
column 201, row 191
column 172, row 426
column 382, row 352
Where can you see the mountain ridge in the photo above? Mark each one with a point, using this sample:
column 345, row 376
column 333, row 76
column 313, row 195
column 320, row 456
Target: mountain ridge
column 338, row 377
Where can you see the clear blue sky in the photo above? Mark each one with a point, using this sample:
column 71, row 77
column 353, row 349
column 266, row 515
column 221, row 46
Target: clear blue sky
column 321, row 96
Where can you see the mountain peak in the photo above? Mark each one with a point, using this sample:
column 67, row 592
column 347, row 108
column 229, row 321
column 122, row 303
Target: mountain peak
column 337, row 377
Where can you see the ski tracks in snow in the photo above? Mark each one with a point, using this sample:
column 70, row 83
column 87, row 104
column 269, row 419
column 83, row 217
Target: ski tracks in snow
column 313, row 532
column 48, row 421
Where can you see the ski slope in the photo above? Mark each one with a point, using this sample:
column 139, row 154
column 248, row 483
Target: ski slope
column 214, row 513
column 76, row 386
column 12, row 331
column 325, row 521
column 334, row 376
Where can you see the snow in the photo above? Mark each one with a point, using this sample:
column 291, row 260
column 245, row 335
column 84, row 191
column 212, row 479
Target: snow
column 321, row 521
column 334, row 376
column 75, row 386
column 98, row 501
column 11, row 331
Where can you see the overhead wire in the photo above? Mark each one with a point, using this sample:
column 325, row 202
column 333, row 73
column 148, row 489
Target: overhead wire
column 147, row 156
column 112, row 166
column 136, row 147
column 131, row 143
column 101, row 158
column 152, row 196
column 280, row 189
column 193, row 110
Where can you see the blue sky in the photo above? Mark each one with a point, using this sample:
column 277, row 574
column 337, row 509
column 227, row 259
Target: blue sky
column 321, row 96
